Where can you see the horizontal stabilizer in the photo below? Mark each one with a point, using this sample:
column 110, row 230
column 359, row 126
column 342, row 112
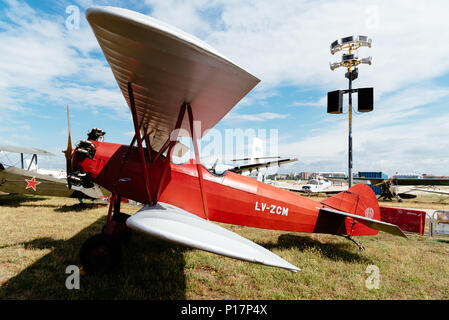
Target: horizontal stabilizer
column 374, row 224
column 173, row 224
column 261, row 165
column 430, row 191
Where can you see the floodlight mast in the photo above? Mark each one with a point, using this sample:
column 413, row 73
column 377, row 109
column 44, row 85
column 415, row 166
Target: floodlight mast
column 350, row 60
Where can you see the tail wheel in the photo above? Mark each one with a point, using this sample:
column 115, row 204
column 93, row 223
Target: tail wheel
column 100, row 253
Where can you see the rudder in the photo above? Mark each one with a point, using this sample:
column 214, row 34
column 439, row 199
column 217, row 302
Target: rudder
column 359, row 200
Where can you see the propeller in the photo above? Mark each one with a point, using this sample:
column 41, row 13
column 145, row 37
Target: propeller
column 69, row 150
column 86, row 148
column 383, row 182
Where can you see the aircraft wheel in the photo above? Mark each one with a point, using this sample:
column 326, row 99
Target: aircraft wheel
column 120, row 232
column 100, row 253
column 118, row 228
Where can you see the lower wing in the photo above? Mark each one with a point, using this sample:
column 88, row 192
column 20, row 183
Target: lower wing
column 170, row 223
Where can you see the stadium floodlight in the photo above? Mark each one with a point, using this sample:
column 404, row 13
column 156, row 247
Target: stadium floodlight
column 350, row 60
column 347, row 40
column 335, row 46
column 364, row 41
column 334, row 65
column 354, row 41
column 366, row 60
column 350, row 44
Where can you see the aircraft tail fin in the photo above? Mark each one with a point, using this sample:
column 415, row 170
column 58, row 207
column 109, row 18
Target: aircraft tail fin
column 360, row 204
column 258, row 150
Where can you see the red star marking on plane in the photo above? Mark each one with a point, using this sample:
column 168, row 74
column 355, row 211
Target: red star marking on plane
column 32, row 183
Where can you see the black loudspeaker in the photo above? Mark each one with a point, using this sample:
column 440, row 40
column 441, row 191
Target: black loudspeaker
column 366, row 99
column 335, row 102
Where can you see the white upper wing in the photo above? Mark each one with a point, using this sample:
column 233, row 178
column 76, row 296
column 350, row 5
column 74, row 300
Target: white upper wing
column 167, row 67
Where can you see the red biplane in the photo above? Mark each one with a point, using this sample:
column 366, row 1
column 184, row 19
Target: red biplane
column 171, row 80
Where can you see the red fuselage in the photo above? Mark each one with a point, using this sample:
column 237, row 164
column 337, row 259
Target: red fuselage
column 231, row 198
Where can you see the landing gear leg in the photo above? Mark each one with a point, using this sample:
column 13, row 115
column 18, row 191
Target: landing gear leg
column 102, row 252
column 116, row 223
column 359, row 244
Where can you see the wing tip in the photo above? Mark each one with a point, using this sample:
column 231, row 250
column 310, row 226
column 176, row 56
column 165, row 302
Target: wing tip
column 294, row 270
column 402, row 234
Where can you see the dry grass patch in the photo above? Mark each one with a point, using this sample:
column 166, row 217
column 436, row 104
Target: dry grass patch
column 41, row 236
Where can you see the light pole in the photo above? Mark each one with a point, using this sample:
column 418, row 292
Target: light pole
column 350, row 60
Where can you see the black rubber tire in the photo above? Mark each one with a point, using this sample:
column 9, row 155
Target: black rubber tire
column 121, row 218
column 100, row 253
column 123, row 238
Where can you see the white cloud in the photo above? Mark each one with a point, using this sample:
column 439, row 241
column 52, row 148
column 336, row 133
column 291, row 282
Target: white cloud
column 322, row 102
column 398, row 135
column 287, row 42
column 254, row 117
column 281, row 42
column 45, row 61
column 185, row 15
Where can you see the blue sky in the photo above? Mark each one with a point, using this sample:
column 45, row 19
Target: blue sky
column 44, row 66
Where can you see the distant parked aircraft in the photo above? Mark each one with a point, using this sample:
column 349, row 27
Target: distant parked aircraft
column 317, row 185
column 29, row 179
column 254, row 162
column 390, row 187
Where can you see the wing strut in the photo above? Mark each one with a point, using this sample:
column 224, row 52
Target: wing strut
column 115, row 199
column 171, row 142
column 139, row 143
column 147, row 141
column 163, row 148
column 198, row 163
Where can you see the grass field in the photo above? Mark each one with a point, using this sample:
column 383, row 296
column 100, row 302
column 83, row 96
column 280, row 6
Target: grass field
column 41, row 236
